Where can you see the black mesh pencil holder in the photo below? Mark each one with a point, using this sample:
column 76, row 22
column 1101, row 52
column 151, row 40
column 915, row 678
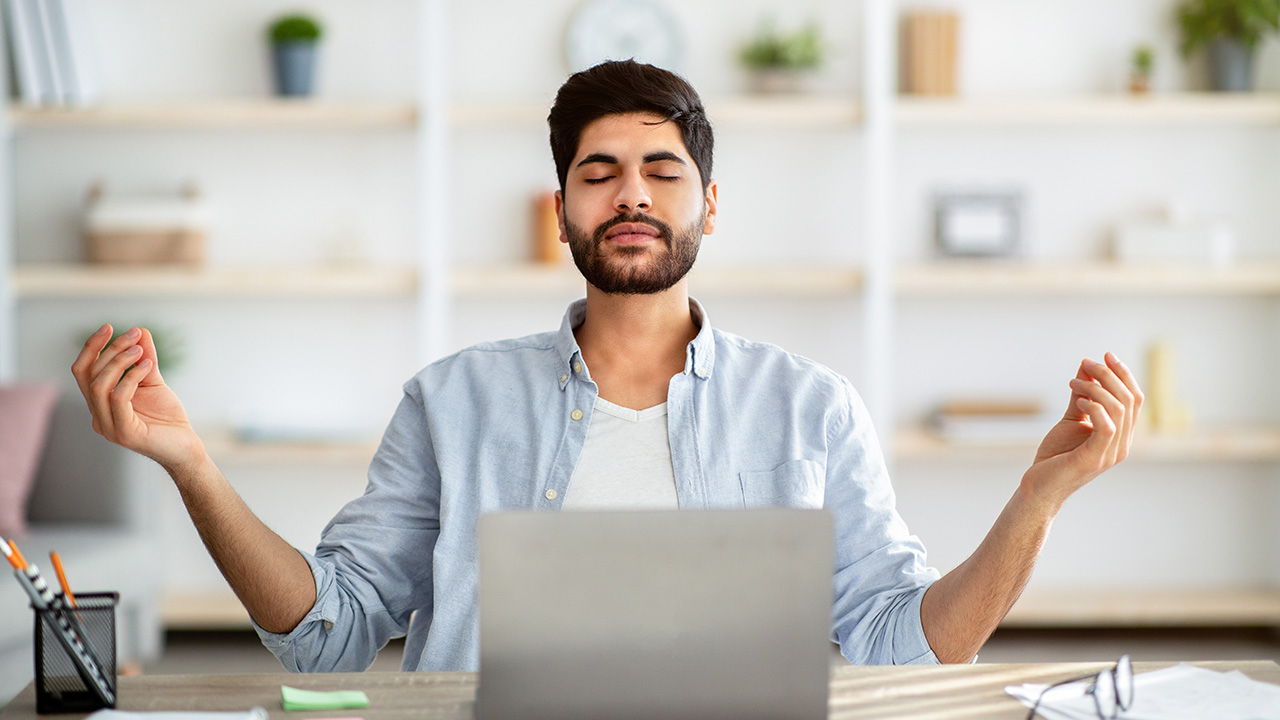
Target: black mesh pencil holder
column 64, row 684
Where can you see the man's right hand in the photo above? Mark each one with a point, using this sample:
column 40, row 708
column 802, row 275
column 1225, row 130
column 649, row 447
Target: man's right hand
column 129, row 401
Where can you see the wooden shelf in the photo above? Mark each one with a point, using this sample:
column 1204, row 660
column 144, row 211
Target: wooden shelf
column 801, row 111
column 1011, row 277
column 85, row 281
column 818, row 111
column 225, row 448
column 531, row 279
column 1253, row 109
column 1246, row 443
column 1163, row 607
column 247, row 113
column 213, row 609
column 1065, row 608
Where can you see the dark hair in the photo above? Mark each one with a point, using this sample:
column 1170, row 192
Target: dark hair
column 626, row 86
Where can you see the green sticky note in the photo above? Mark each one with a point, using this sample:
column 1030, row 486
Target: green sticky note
column 295, row 699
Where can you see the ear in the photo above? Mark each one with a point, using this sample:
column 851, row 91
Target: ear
column 709, row 226
column 564, row 236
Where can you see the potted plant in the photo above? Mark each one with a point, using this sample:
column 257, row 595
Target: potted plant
column 782, row 62
column 294, row 41
column 1141, row 65
column 1231, row 31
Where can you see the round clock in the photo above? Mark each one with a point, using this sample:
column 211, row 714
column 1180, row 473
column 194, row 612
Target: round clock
column 620, row 29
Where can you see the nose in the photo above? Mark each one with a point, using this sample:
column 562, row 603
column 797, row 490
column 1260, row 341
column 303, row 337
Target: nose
column 633, row 194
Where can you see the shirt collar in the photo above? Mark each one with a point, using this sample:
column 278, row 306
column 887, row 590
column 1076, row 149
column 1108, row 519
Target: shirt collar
column 700, row 357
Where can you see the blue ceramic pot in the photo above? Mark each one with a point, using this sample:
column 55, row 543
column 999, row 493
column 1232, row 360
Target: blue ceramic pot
column 295, row 67
column 1231, row 63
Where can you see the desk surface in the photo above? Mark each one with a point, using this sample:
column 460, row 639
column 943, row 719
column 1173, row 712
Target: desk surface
column 883, row 693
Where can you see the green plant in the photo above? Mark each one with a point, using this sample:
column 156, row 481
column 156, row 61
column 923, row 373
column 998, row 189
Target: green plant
column 295, row 28
column 1248, row 21
column 1144, row 59
column 771, row 49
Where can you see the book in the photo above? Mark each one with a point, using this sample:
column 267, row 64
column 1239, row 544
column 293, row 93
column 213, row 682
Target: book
column 73, row 49
column 22, row 51
column 55, row 93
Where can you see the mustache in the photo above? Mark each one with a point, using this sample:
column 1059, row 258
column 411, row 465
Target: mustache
column 664, row 230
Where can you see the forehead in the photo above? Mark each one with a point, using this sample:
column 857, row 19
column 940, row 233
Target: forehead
column 630, row 135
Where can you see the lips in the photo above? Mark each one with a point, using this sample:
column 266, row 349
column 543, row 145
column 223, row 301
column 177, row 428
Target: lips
column 632, row 232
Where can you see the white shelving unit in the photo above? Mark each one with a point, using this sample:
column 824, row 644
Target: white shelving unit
column 877, row 294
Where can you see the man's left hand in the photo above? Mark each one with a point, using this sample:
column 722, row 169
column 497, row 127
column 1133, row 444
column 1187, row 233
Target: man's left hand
column 1093, row 435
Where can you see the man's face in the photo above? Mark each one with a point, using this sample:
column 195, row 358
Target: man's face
column 633, row 209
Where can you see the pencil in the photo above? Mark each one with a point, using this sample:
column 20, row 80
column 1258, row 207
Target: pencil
column 62, row 577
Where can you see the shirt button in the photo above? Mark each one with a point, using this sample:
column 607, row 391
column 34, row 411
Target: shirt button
column 702, row 372
column 577, row 366
column 576, row 415
column 328, row 624
column 564, row 377
column 552, row 494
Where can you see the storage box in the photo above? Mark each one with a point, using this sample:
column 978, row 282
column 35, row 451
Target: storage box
column 145, row 230
column 930, row 43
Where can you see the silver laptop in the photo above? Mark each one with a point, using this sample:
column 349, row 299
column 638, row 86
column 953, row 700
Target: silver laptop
column 655, row 614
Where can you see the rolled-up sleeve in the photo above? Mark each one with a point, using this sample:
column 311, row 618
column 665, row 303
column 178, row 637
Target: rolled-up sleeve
column 373, row 565
column 880, row 575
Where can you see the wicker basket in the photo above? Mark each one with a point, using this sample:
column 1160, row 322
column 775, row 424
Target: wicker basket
column 146, row 247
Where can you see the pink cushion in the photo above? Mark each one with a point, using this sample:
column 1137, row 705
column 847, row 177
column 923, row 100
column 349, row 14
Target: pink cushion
column 24, row 422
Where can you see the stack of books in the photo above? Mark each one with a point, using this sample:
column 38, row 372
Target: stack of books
column 50, row 51
column 983, row 422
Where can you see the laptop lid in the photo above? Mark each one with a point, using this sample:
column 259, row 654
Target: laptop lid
column 655, row 614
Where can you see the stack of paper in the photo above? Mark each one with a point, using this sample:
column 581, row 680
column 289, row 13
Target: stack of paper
column 1182, row 692
column 50, row 49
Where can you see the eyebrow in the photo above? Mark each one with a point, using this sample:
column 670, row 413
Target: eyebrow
column 659, row 156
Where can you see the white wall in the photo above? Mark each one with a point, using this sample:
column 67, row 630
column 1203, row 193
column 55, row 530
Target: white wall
column 785, row 195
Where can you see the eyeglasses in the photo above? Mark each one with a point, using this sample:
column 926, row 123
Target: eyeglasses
column 1111, row 689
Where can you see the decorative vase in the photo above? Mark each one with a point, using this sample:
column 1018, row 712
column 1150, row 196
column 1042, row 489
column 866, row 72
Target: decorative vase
column 294, row 62
column 1231, row 65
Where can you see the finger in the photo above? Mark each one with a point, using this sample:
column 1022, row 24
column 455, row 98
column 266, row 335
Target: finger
column 104, row 382
column 121, row 399
column 1095, row 395
column 1125, row 375
column 121, row 344
column 1107, row 377
column 149, row 353
column 1104, row 430
column 88, row 355
column 1074, row 413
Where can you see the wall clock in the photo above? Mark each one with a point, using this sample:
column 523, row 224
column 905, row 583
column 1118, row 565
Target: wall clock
column 620, row 29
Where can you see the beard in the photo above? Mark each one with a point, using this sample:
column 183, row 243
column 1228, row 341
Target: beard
column 611, row 273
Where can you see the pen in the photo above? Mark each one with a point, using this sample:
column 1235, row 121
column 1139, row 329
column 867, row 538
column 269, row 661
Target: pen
column 42, row 598
column 62, row 578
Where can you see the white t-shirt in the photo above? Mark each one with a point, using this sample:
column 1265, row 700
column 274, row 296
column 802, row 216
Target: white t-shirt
column 625, row 463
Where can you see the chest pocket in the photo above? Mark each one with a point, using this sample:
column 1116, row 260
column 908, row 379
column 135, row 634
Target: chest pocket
column 799, row 483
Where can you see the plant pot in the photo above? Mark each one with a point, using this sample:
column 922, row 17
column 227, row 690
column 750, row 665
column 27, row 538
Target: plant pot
column 1231, row 65
column 294, row 63
column 778, row 81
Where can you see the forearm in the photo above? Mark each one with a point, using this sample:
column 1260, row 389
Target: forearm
column 961, row 610
column 270, row 577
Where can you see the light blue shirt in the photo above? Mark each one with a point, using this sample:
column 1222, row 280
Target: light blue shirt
column 500, row 426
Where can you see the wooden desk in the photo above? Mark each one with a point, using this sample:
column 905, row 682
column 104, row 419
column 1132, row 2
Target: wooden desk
column 882, row 693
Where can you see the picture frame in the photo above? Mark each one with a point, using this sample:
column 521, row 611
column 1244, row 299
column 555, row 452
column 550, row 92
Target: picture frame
column 978, row 223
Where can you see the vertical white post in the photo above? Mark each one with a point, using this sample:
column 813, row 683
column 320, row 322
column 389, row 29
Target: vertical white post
column 8, row 236
column 433, row 201
column 879, row 86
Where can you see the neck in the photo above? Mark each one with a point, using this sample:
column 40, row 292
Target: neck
column 634, row 344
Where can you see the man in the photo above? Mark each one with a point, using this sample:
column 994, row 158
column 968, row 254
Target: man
column 635, row 402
